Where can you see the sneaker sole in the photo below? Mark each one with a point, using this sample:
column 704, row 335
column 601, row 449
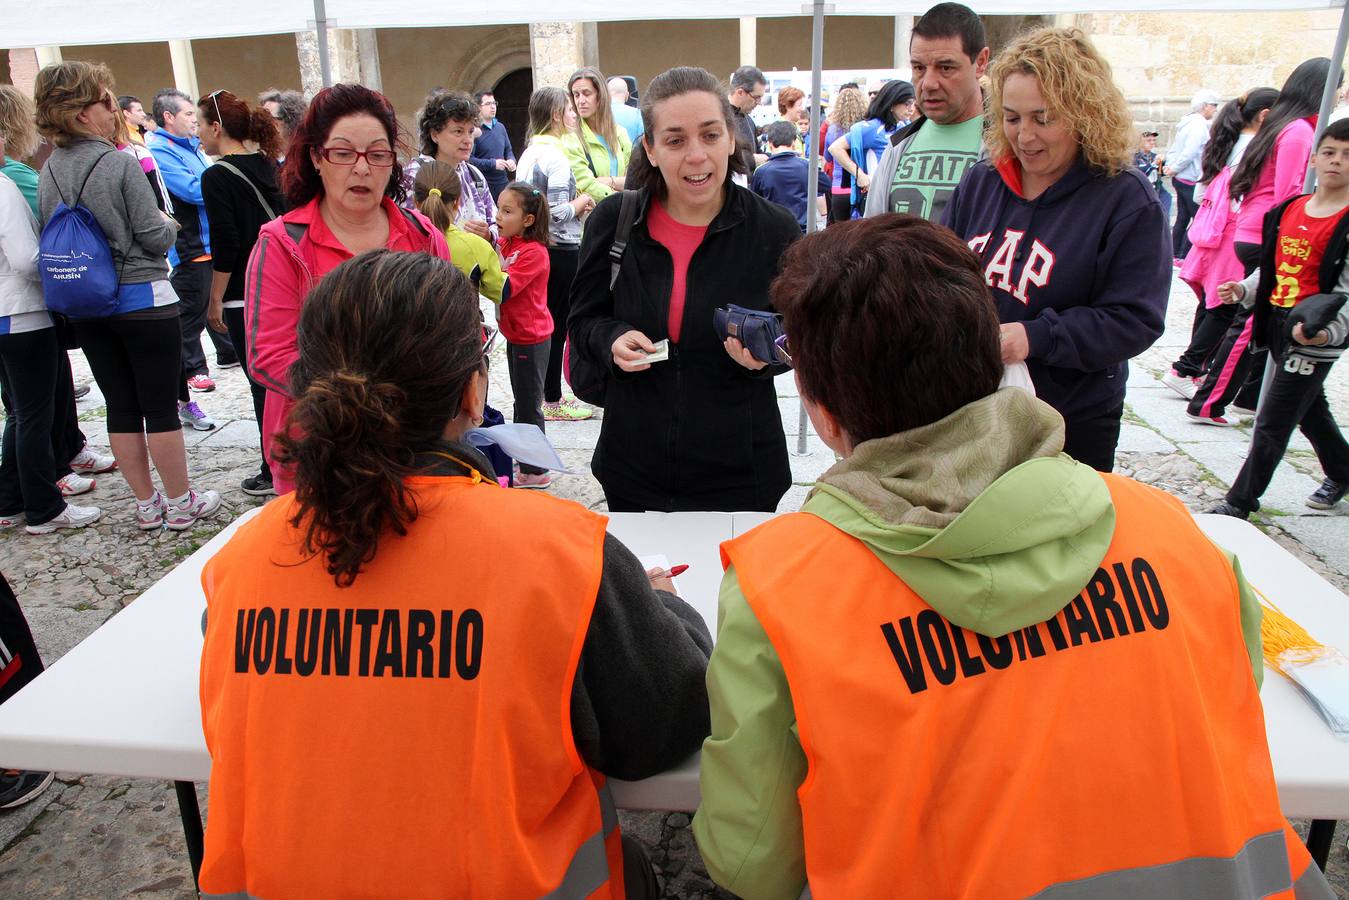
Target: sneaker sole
column 1181, row 390
column 1200, row 420
column 201, row 390
column 49, row 528
column 81, row 470
column 1317, row 504
column 269, row 491
column 41, row 786
column 150, row 526
column 195, row 427
column 533, row 487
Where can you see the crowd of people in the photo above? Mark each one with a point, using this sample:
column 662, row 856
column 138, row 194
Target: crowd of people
column 993, row 214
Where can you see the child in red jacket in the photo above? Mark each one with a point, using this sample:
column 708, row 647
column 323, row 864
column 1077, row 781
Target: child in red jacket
column 522, row 217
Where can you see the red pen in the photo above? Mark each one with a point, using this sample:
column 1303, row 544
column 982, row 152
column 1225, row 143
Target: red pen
column 674, row 570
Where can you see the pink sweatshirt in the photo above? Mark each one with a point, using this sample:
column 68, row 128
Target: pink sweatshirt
column 1280, row 177
column 280, row 275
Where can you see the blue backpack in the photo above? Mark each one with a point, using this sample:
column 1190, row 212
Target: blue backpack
column 74, row 259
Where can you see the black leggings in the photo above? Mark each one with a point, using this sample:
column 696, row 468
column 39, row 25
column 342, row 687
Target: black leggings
column 562, row 269
column 138, row 365
column 234, row 322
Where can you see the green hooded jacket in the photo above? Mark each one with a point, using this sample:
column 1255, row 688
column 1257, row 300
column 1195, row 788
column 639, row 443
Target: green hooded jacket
column 982, row 498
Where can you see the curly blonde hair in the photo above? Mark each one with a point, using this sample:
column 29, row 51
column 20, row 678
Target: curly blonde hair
column 1078, row 89
column 850, row 107
column 17, row 131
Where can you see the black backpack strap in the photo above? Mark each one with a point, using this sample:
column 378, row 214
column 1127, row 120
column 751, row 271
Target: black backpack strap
column 627, row 214
column 412, row 220
column 87, row 176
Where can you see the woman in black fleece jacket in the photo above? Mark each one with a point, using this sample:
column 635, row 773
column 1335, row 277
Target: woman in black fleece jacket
column 240, row 194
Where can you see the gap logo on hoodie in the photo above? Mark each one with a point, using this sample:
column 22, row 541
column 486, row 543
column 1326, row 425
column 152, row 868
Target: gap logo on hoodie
column 1033, row 269
column 1116, row 603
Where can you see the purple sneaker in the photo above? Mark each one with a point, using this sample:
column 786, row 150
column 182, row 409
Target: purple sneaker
column 198, row 506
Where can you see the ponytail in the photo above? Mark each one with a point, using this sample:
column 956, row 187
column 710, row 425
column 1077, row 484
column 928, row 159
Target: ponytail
column 1235, row 116
column 436, row 191
column 388, row 344
column 263, row 131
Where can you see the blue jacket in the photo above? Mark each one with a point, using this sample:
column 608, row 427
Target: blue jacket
column 785, row 180
column 1086, row 267
column 494, row 144
column 181, row 162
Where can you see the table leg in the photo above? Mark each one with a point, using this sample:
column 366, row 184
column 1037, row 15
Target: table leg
column 1319, row 838
column 190, row 812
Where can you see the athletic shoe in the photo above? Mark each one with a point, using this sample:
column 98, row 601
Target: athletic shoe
column 1181, row 384
column 149, row 518
column 74, row 484
column 191, row 414
column 1327, row 495
column 1227, row 509
column 1241, row 411
column 14, row 521
column 226, row 364
column 82, row 390
column 258, row 485
column 18, row 786
column 538, row 482
column 201, row 383
column 198, row 506
column 71, row 517
column 1220, row 421
column 87, row 462
column 564, row 412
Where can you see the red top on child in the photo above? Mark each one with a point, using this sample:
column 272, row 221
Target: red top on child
column 524, row 316
column 1297, row 258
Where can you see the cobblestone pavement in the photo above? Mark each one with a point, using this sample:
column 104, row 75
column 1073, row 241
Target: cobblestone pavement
column 99, row 837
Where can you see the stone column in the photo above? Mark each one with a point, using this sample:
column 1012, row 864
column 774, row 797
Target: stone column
column 749, row 40
column 184, row 68
column 368, row 46
column 558, row 49
column 903, row 34
column 344, row 56
column 23, row 66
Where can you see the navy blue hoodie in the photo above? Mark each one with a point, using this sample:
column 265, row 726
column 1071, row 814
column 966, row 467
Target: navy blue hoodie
column 1086, row 266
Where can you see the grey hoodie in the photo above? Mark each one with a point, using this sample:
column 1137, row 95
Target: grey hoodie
column 120, row 197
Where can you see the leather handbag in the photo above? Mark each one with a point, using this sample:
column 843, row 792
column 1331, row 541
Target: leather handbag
column 757, row 329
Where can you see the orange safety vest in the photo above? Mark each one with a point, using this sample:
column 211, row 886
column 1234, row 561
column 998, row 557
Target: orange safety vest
column 409, row 736
column 1116, row 750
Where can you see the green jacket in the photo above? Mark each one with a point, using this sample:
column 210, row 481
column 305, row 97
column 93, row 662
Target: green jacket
column 928, row 502
column 477, row 259
column 599, row 155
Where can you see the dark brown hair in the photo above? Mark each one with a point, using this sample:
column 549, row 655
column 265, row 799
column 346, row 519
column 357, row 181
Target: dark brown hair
column 299, row 179
column 889, row 323
column 642, row 175
column 242, row 122
column 388, row 343
column 534, row 202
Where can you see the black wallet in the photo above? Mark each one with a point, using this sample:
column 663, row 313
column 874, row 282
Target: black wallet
column 757, row 329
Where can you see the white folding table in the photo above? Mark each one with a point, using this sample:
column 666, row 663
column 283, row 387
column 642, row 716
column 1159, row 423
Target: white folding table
column 125, row 700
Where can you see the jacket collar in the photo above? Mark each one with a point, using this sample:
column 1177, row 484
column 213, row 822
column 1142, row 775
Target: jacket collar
column 732, row 210
column 190, row 144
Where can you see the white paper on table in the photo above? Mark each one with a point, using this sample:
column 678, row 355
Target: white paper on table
column 1324, row 680
column 658, row 561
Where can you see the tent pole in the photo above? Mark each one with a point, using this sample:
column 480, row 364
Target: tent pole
column 813, row 181
column 1332, row 86
column 321, row 28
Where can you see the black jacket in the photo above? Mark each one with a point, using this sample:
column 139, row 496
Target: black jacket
column 1328, row 275
column 698, row 432
column 235, row 215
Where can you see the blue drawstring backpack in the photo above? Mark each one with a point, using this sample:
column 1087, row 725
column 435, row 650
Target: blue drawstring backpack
column 74, row 259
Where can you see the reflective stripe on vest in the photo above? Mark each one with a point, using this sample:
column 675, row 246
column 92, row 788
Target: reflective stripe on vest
column 1116, row 749
column 432, row 671
column 588, row 872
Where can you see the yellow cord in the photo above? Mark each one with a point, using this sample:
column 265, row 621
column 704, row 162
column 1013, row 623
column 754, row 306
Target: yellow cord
column 1282, row 639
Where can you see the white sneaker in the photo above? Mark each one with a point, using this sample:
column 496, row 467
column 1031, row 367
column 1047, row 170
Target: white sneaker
column 87, row 462
column 74, row 484
column 1180, row 384
column 198, row 506
column 71, row 517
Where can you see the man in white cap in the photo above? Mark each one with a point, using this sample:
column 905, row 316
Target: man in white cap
column 1183, row 164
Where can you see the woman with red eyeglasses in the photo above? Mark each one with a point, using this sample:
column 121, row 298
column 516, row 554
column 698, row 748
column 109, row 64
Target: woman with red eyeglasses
column 343, row 182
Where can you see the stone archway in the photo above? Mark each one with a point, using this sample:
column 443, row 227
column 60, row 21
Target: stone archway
column 513, row 93
column 502, row 51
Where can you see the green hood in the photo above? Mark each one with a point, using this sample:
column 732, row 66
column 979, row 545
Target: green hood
column 980, row 513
